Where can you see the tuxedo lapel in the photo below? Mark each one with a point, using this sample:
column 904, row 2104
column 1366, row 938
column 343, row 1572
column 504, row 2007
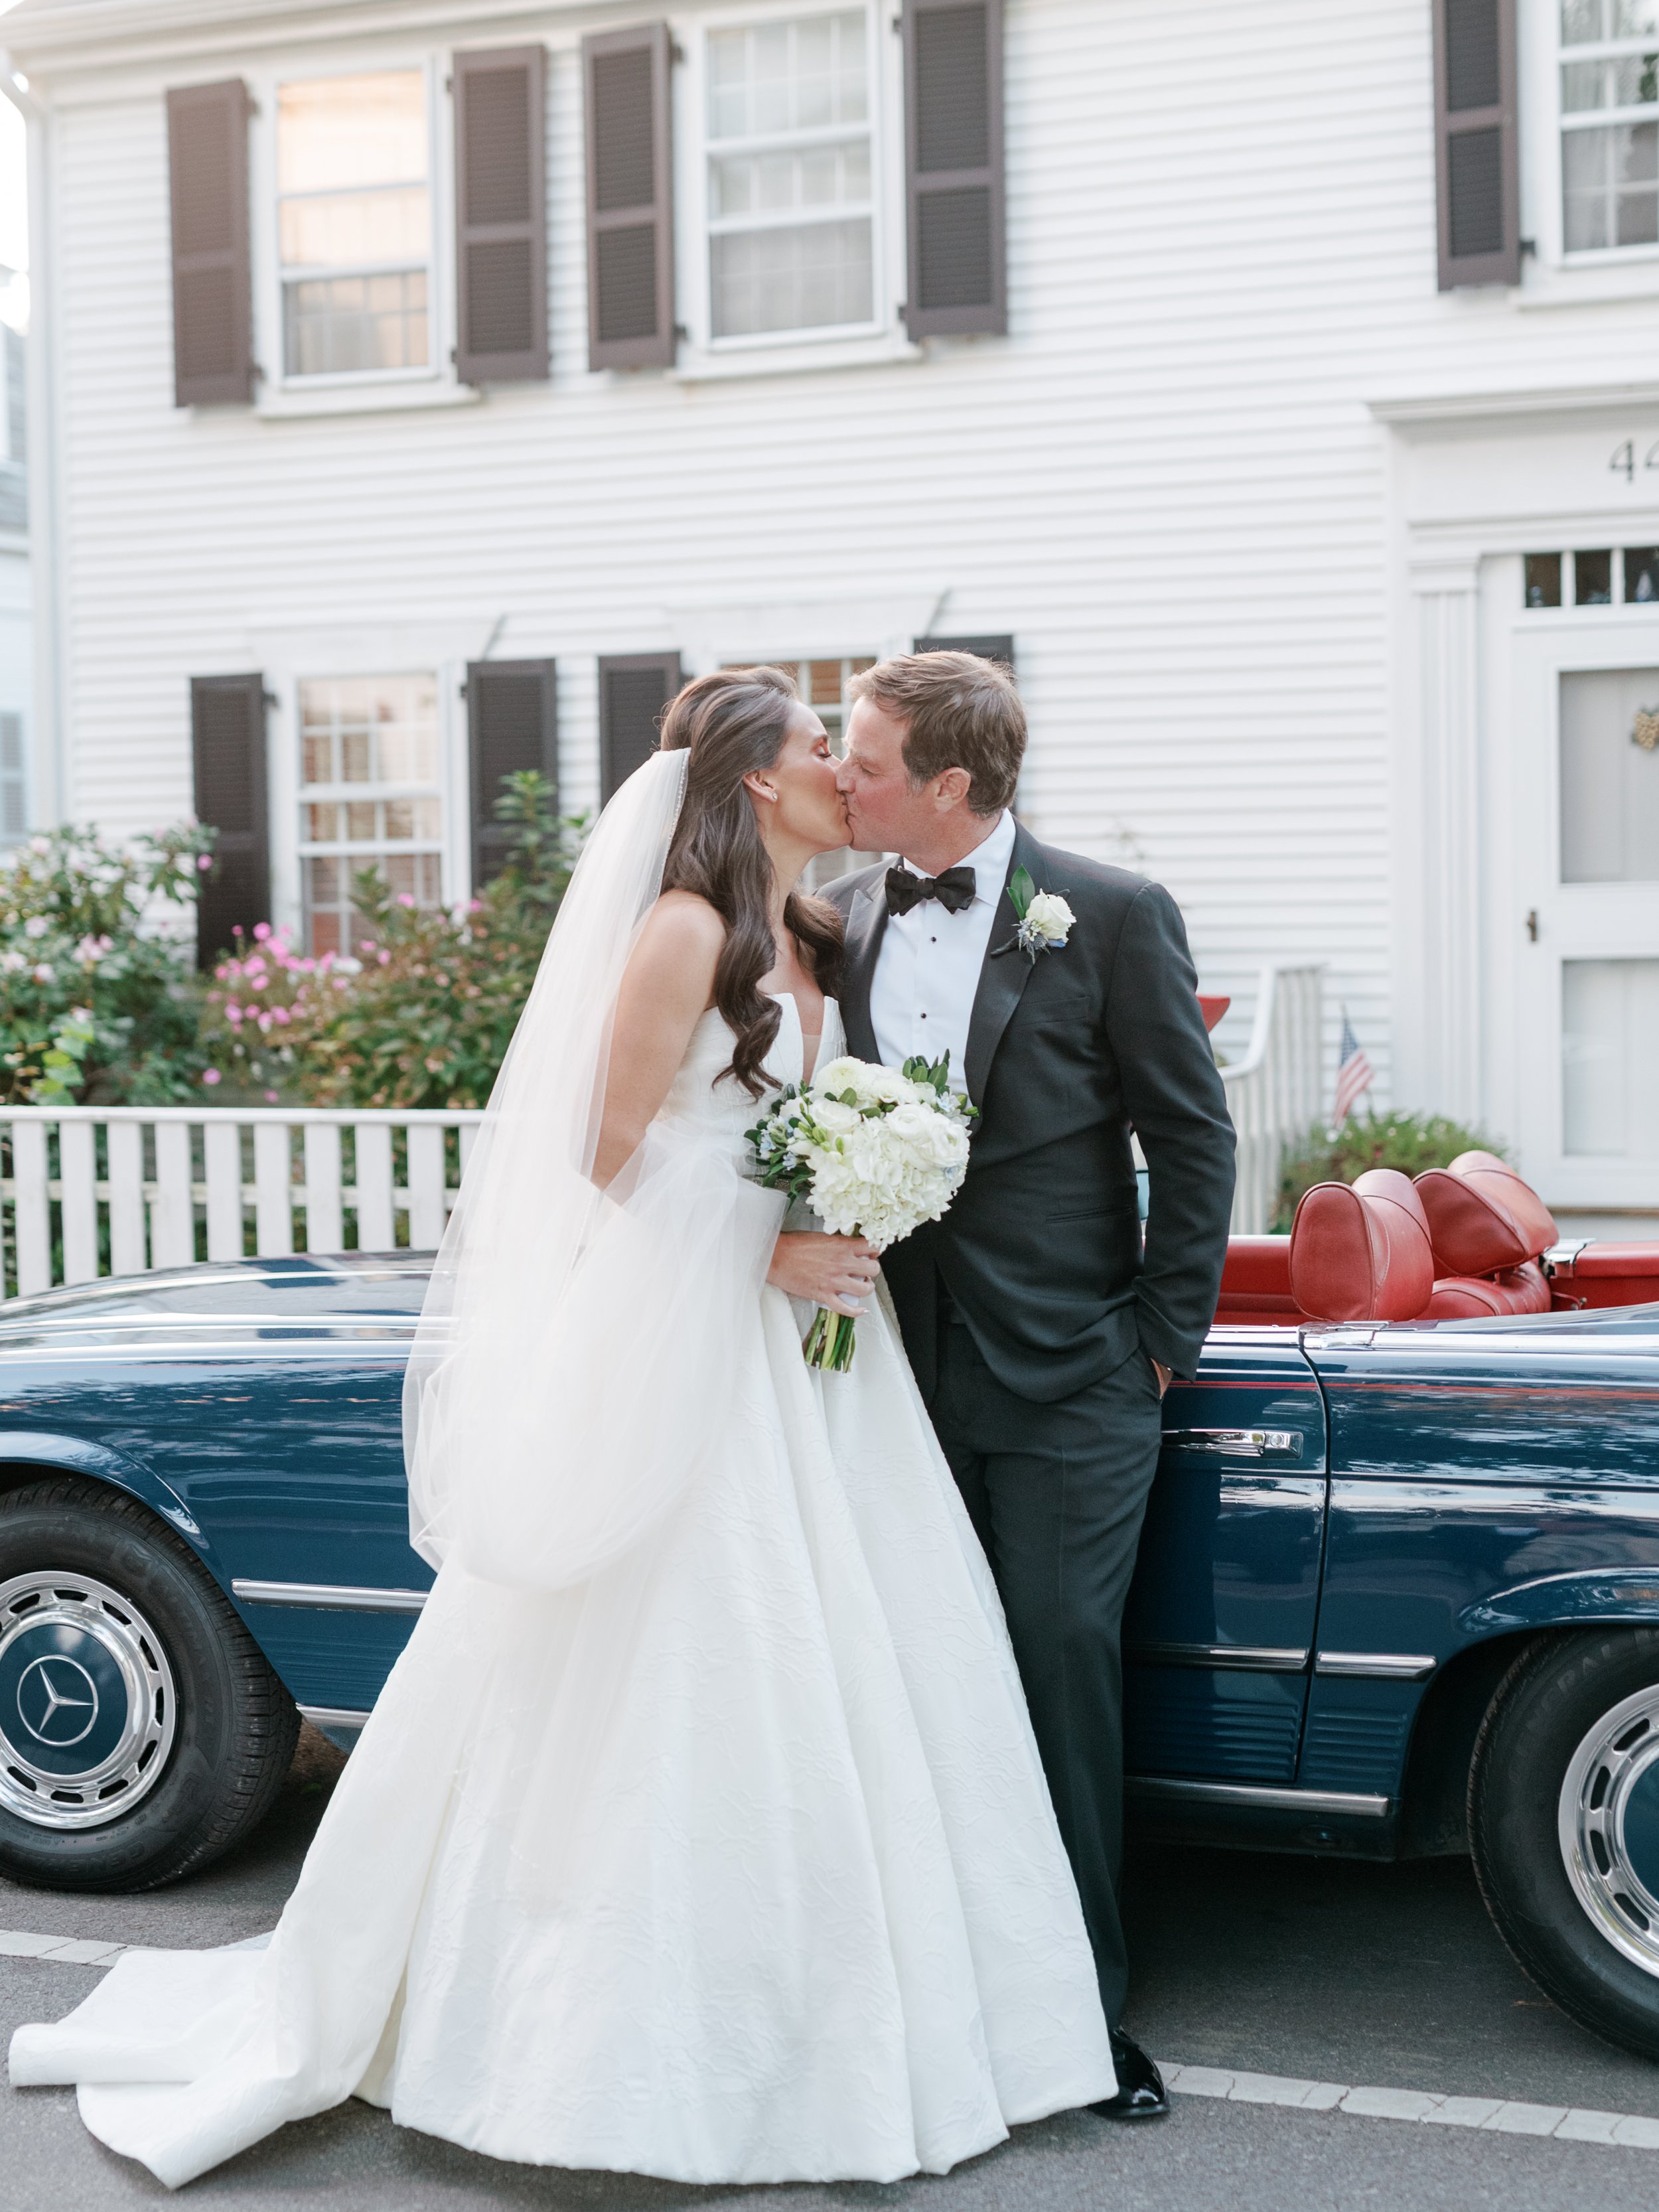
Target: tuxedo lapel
column 1002, row 976
column 865, row 924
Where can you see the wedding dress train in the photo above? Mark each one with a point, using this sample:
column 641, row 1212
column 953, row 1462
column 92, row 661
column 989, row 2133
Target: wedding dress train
column 733, row 1863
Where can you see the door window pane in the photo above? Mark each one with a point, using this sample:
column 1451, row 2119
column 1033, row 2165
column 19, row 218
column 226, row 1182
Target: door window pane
column 354, row 224
column 789, row 182
column 1543, row 579
column 380, row 731
column 1610, row 1058
column 1610, row 777
column 1593, row 579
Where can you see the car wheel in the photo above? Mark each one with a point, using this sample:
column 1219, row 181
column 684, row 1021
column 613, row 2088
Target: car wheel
column 142, row 1732
column 1564, row 1825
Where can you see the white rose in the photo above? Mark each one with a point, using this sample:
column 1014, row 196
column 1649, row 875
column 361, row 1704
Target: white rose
column 36, row 926
column 839, row 1120
column 12, row 962
column 1050, row 919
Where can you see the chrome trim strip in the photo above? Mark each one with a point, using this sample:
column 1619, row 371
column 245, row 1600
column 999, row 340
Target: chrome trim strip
column 1244, row 1794
column 325, row 1717
column 329, row 1597
column 1377, row 1666
column 1250, row 1658
column 1236, row 1444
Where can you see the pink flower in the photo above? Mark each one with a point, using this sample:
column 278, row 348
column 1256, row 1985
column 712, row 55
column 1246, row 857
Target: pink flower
column 233, row 1011
column 222, row 974
column 270, row 1097
column 405, row 898
column 211, row 1075
column 475, row 906
column 385, row 959
column 262, row 930
column 368, row 945
column 279, row 1013
column 204, row 861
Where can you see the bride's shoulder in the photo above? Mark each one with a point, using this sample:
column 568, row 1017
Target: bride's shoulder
column 683, row 929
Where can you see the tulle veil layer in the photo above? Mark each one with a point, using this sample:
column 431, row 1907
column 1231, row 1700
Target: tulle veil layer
column 526, row 1462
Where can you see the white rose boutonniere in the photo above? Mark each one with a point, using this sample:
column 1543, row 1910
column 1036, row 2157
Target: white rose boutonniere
column 1045, row 920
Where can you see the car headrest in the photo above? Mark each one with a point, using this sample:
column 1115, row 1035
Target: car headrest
column 1360, row 1251
column 1482, row 1217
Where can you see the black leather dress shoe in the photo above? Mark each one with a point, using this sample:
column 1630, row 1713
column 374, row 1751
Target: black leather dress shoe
column 1140, row 2092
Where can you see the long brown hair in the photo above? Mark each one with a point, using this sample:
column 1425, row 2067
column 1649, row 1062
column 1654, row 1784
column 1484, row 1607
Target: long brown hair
column 733, row 724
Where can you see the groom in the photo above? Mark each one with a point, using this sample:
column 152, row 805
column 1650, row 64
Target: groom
column 1043, row 1337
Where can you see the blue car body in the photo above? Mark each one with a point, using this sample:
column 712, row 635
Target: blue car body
column 1352, row 1530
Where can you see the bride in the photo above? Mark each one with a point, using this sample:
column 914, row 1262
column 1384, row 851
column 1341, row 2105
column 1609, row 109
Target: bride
column 699, row 1831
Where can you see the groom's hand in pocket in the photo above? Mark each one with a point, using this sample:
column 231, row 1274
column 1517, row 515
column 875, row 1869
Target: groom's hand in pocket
column 1165, row 1375
column 834, row 1272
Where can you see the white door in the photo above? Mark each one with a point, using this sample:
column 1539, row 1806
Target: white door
column 1586, row 706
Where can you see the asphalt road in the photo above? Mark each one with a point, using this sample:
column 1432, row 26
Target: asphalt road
column 1386, row 1976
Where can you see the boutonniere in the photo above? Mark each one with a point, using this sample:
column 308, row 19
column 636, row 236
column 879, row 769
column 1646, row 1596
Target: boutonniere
column 1045, row 920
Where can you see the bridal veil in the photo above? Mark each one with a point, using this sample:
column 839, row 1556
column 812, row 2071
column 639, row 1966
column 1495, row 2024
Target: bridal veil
column 527, row 1463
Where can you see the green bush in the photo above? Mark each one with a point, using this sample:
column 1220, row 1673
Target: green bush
column 96, row 1006
column 1410, row 1142
column 421, row 1012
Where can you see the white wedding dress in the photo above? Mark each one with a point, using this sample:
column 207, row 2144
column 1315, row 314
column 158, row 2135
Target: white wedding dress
column 788, row 1903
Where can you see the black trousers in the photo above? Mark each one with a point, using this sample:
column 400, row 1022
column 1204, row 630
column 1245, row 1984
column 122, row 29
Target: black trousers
column 1057, row 1494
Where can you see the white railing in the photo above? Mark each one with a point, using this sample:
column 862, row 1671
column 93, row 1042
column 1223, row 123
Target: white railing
column 1275, row 1093
column 97, row 1190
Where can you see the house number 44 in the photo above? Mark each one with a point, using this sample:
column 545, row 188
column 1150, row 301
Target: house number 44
column 1624, row 463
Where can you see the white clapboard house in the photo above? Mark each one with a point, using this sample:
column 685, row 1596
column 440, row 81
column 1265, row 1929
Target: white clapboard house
column 422, row 387
column 16, row 625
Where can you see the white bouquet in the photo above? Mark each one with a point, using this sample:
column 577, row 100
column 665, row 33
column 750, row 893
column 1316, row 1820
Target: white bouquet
column 875, row 1151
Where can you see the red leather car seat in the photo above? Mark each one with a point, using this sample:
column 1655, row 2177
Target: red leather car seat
column 1256, row 1283
column 1488, row 1228
column 1360, row 1251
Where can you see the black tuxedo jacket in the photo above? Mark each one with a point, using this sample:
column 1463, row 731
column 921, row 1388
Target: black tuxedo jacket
column 1041, row 1247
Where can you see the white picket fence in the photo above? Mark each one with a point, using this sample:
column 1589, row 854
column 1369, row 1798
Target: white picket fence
column 1276, row 1091
column 138, row 1187
column 100, row 1190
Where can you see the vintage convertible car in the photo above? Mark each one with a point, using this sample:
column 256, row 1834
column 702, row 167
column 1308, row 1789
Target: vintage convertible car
column 1399, row 1592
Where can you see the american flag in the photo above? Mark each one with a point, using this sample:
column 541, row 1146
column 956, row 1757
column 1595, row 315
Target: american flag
column 1353, row 1073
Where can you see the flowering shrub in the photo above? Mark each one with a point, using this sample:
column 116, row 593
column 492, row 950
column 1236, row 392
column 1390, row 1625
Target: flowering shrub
column 423, row 1013
column 1410, row 1142
column 94, row 1007
column 254, row 1010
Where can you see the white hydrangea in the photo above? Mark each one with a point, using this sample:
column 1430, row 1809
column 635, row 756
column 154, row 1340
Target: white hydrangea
column 880, row 1167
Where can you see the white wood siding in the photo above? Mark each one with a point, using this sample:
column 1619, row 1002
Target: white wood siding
column 1166, row 481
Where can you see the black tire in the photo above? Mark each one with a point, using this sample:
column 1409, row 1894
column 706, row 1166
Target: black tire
column 101, row 1606
column 1564, row 1825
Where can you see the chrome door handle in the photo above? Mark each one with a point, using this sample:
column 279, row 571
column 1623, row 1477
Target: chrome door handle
column 1238, row 1443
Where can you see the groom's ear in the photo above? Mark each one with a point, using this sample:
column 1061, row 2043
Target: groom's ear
column 951, row 788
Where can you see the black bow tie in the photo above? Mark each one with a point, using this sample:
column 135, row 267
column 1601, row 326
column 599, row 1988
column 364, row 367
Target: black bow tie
column 956, row 889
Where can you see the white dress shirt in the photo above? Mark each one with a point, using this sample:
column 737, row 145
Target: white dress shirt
column 921, row 995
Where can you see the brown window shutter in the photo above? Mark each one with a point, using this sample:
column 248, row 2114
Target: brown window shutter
column 953, row 157
column 501, row 215
column 987, row 649
column 228, row 751
column 630, row 199
column 634, row 689
column 1477, row 163
column 212, row 304
column 511, row 725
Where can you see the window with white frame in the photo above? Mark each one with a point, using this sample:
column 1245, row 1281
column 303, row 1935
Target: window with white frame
column 790, row 235
column 355, row 223
column 1609, row 65
column 370, row 797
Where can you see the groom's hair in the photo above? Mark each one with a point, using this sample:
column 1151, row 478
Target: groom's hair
column 958, row 712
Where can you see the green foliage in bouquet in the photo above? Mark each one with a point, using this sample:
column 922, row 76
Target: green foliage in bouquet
column 1410, row 1142
column 422, row 1013
column 97, row 1004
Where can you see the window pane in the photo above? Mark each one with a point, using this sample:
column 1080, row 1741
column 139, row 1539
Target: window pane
column 1632, row 19
column 1610, row 1057
column 1583, row 84
column 804, row 278
column 369, row 730
column 1641, row 575
column 773, row 184
column 1609, row 780
column 347, row 131
column 336, row 324
column 1635, row 80
column 1543, row 579
column 1593, row 579
column 779, row 77
column 341, row 230
column 1581, row 20
column 321, row 823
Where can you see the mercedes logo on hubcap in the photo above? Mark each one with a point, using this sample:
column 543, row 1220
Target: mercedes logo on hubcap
column 57, row 1700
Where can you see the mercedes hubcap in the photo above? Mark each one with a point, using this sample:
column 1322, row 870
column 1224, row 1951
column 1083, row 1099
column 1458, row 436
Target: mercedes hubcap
column 1609, row 1826
column 87, row 1702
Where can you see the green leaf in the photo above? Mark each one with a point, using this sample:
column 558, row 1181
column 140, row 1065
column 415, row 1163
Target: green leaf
column 1021, row 891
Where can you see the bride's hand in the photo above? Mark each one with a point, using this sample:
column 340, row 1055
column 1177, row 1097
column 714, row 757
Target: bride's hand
column 833, row 1272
